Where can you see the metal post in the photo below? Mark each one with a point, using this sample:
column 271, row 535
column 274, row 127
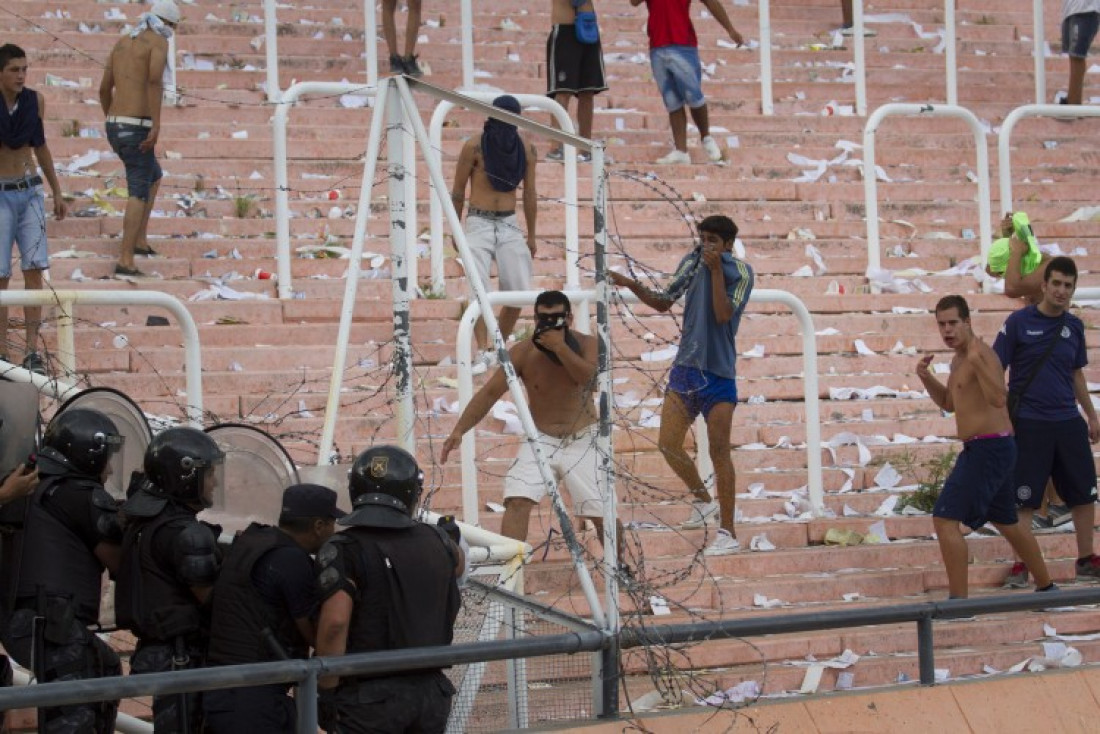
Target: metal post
column 370, row 36
column 766, row 105
column 171, row 90
column 860, row 58
column 609, row 669
column 1039, row 52
column 271, row 51
column 396, row 135
column 926, row 653
column 467, row 32
column 66, row 340
column 950, row 51
column 339, row 362
column 306, row 699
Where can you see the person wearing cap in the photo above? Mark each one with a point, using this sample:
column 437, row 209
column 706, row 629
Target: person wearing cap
column 23, row 151
column 388, row 582
column 263, row 607
column 131, row 94
column 494, row 165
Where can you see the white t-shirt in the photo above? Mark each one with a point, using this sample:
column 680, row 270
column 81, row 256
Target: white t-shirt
column 1074, row 7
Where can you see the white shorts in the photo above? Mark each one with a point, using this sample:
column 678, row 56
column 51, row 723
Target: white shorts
column 502, row 240
column 573, row 460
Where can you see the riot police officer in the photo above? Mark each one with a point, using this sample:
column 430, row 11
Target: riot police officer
column 388, row 582
column 264, row 605
column 169, row 564
column 71, row 533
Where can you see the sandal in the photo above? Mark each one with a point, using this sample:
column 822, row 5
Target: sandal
column 145, row 251
column 132, row 272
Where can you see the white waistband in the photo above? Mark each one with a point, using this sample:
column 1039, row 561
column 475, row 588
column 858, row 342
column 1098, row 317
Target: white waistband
column 124, row 120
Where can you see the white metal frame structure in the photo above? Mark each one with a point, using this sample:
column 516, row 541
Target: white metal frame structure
column 396, row 112
column 1004, row 138
column 66, row 301
column 1038, row 52
column 464, row 353
column 870, row 180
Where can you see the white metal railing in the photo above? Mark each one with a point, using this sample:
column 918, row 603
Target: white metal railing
column 1038, row 51
column 66, row 301
column 1004, row 138
column 870, row 180
column 538, row 101
column 463, row 349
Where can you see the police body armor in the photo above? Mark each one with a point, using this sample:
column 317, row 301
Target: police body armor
column 248, row 628
column 411, row 587
column 55, row 559
column 149, row 600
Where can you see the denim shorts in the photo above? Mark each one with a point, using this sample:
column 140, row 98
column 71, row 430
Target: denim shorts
column 23, row 222
column 679, row 76
column 142, row 169
column 1078, row 32
column 700, row 390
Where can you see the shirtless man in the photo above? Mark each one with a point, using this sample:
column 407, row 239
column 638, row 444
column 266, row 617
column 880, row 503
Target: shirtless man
column 1018, row 284
column 980, row 487
column 22, row 210
column 131, row 94
column 573, row 68
column 494, row 165
column 558, row 368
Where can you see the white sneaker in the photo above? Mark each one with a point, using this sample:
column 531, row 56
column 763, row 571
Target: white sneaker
column 483, row 362
column 723, row 544
column 676, row 156
column 710, row 145
column 701, row 512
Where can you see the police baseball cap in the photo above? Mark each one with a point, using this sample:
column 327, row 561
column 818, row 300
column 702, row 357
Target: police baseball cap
column 310, row 500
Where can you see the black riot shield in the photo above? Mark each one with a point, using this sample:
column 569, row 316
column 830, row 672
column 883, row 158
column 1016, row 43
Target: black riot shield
column 257, row 470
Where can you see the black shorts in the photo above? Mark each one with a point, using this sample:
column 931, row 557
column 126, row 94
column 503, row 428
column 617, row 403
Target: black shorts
column 571, row 66
column 979, row 489
column 1078, row 32
column 1057, row 450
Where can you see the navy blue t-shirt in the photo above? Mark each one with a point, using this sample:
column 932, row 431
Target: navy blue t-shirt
column 286, row 578
column 1022, row 342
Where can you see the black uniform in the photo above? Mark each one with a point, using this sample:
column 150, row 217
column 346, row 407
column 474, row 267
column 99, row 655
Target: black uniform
column 60, row 584
column 266, row 582
column 163, row 557
column 405, row 594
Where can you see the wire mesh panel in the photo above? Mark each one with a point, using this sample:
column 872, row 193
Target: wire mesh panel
column 515, row 693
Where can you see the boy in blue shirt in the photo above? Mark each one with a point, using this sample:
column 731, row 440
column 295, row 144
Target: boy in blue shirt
column 715, row 286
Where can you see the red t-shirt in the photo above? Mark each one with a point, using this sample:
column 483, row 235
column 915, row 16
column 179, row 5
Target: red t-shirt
column 670, row 24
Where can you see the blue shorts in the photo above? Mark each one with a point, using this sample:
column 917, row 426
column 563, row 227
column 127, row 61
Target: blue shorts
column 699, row 390
column 142, row 169
column 1078, row 32
column 679, row 76
column 979, row 489
column 1056, row 450
column 23, row 222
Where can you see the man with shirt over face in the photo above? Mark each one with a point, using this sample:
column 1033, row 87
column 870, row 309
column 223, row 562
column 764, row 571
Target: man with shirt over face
column 1052, row 439
column 264, row 603
column 716, row 287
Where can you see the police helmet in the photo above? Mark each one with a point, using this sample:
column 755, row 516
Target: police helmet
column 385, row 486
column 81, row 440
column 179, row 463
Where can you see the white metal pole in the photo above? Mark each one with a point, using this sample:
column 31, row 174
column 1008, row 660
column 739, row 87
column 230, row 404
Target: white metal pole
column 467, row 32
column 1039, row 52
column 171, row 91
column 860, row 58
column 870, row 195
column 399, row 250
column 952, row 64
column 468, row 450
column 767, row 107
column 370, row 36
column 271, row 51
column 435, row 209
column 362, row 216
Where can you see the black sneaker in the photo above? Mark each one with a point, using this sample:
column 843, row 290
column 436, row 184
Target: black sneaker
column 411, row 67
column 1041, row 524
column 1059, row 514
column 1052, row 587
column 1088, row 569
column 34, row 363
column 128, row 272
column 397, row 64
column 145, row 251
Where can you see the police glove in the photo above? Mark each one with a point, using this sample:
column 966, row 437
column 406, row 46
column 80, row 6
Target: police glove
column 327, row 715
column 448, row 525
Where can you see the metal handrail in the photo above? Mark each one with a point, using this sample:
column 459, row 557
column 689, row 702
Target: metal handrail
column 392, row 661
column 65, row 300
column 1004, row 138
column 870, row 178
column 463, row 358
